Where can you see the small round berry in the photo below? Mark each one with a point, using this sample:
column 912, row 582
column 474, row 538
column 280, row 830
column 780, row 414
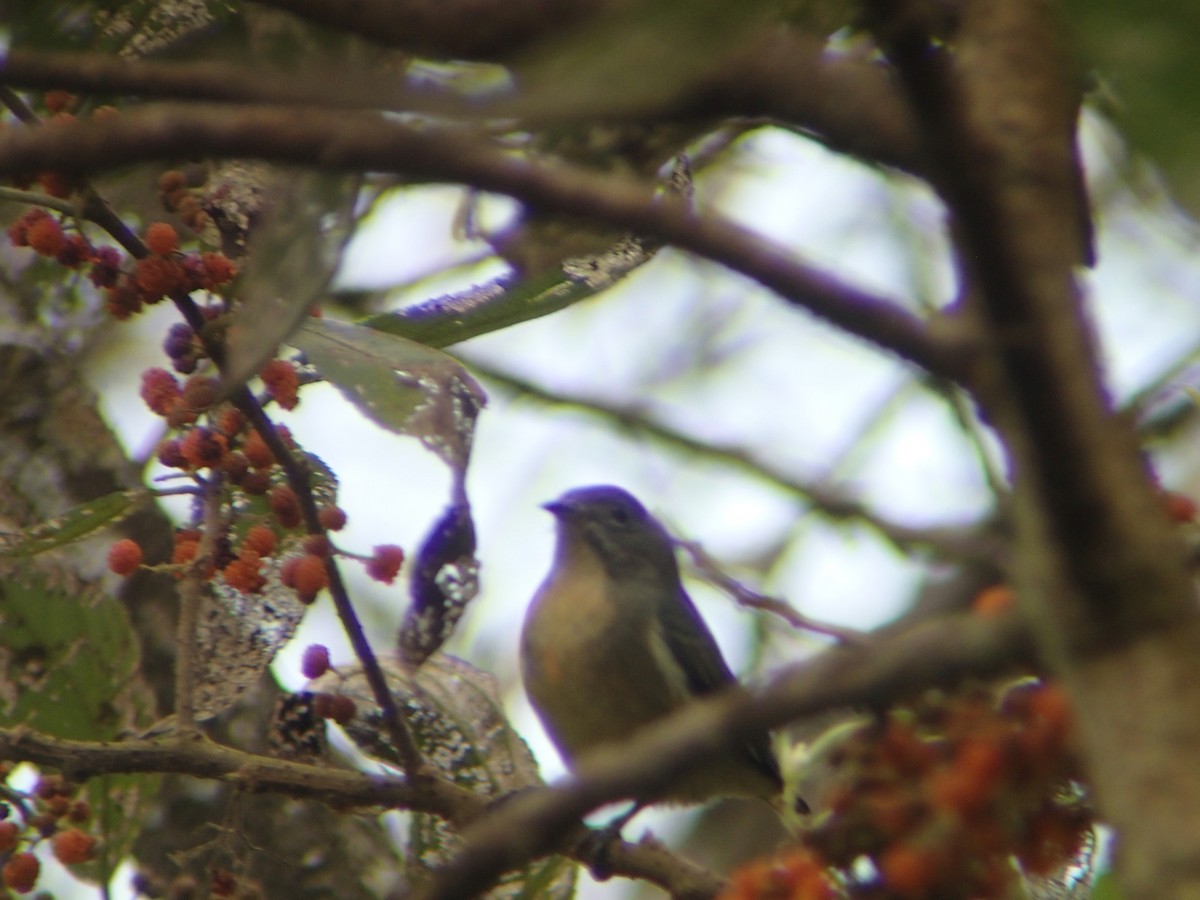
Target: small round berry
column 384, row 564
column 257, row 451
column 170, row 454
column 279, row 377
column 333, row 518
column 180, row 341
column 200, row 392
column 160, row 390
column 74, row 252
column 218, row 268
column 261, row 539
column 106, row 267
column 57, row 101
column 124, row 557
column 244, row 575
column 285, row 505
column 21, row 872
column 309, row 576
column 80, row 812
column 56, row 184
column 315, row 661
column 1180, row 507
column 8, row 836
column 231, row 422
column 162, row 239
column 235, row 465
column 203, row 447
column 123, row 300
column 185, row 550
column 993, row 602
column 343, row 709
column 171, row 181
column 46, row 237
column 73, row 846
column 157, row 276
column 255, row 483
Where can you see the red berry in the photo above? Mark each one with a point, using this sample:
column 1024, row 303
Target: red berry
column 57, row 100
column 162, row 239
column 157, row 276
column 46, row 237
column 171, row 181
column 285, row 505
column 332, row 518
column 1180, row 507
column 185, row 550
column 21, row 872
column 309, row 576
column 123, row 300
column 73, row 846
column 317, row 545
column 8, row 836
column 257, row 451
column 106, row 267
column 203, row 447
column 279, row 377
column 160, row 390
column 218, row 268
column 384, row 564
column 74, row 252
column 200, row 392
column 245, row 575
column 261, row 539
column 124, row 557
column 315, row 661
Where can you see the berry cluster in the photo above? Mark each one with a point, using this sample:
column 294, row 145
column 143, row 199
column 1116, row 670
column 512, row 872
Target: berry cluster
column 944, row 797
column 52, row 813
column 794, row 875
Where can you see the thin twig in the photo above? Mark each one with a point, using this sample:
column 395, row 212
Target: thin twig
column 746, row 596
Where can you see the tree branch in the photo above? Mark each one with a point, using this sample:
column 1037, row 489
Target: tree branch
column 367, row 143
column 935, row 653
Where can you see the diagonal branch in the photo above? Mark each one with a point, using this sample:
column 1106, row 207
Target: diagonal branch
column 935, row 653
column 368, row 143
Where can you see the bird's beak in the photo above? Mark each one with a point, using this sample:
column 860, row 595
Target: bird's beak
column 557, row 508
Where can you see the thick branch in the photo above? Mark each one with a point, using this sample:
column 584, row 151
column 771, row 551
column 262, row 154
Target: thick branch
column 461, row 29
column 875, row 675
column 366, row 143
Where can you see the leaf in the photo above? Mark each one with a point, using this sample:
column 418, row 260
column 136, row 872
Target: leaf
column 403, row 386
column 444, row 580
column 457, row 719
column 506, row 301
column 1145, row 54
column 73, row 524
column 238, row 635
column 291, row 257
column 69, row 667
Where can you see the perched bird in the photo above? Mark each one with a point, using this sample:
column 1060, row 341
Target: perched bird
column 612, row 642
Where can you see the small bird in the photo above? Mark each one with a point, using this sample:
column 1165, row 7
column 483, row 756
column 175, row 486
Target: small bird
column 612, row 642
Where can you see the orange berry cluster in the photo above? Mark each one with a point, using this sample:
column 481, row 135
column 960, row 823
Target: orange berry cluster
column 943, row 797
column 53, row 806
column 794, row 875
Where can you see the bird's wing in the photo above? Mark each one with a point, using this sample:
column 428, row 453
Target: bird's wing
column 692, row 644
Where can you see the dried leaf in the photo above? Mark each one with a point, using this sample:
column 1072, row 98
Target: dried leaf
column 457, row 718
column 444, row 580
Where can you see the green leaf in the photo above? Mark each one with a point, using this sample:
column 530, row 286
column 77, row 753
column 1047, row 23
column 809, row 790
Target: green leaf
column 73, row 524
column 69, row 667
column 1145, row 56
column 291, row 258
column 403, row 386
column 498, row 304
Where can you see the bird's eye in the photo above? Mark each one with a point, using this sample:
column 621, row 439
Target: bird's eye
column 621, row 516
